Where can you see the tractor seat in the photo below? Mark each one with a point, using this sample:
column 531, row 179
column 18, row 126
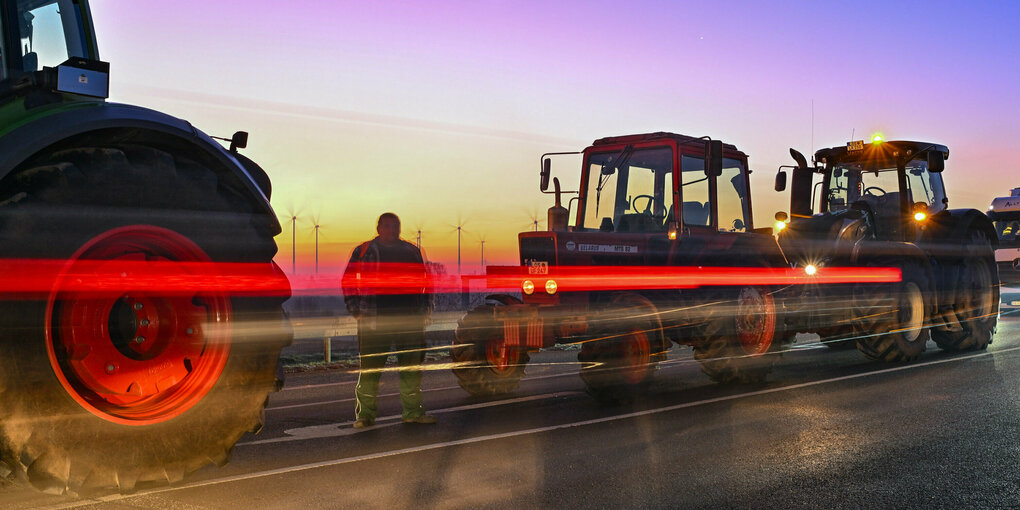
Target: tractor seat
column 696, row 213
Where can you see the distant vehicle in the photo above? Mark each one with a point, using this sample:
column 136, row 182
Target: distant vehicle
column 1005, row 214
column 125, row 359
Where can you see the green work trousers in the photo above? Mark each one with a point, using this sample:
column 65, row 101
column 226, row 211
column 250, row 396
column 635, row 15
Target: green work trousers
column 402, row 336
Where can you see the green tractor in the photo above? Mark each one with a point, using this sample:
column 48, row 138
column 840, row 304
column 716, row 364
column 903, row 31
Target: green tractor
column 127, row 384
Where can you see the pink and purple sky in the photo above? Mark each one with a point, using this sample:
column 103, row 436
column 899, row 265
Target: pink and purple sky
column 440, row 110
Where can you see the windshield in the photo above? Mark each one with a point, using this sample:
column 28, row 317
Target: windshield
column 1007, row 227
column 629, row 190
column 878, row 188
column 51, row 32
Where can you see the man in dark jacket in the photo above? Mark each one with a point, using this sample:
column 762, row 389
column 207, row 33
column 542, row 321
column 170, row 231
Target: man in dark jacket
column 385, row 288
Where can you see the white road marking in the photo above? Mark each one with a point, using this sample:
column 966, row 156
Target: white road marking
column 517, row 433
column 345, row 429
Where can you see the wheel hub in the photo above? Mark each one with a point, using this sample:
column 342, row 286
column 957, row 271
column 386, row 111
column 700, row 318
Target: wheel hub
column 756, row 320
column 139, row 357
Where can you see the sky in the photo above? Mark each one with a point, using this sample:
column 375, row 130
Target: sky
column 440, row 111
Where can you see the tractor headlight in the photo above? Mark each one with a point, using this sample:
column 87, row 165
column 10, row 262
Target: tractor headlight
column 551, row 287
column 528, row 287
column 810, row 269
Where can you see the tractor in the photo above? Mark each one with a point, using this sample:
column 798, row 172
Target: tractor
column 117, row 370
column 884, row 204
column 654, row 211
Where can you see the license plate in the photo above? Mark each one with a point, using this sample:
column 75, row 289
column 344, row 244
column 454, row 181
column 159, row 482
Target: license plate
column 856, row 145
column 1015, row 303
column 538, row 267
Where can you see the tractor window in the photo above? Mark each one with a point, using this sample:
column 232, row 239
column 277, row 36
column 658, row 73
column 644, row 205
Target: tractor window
column 855, row 186
column 926, row 187
column 50, row 33
column 697, row 206
column 732, row 197
column 629, row 191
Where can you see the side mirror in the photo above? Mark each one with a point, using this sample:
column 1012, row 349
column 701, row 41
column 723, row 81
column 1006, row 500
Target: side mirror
column 546, row 169
column 781, row 181
column 238, row 141
column 714, row 158
column 936, row 161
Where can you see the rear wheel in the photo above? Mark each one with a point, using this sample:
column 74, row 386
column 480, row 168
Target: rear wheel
column 735, row 341
column 977, row 299
column 486, row 366
column 116, row 386
column 890, row 320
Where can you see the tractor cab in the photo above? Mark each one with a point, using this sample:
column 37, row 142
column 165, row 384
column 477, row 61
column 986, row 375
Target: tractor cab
column 50, row 43
column 883, row 190
column 658, row 199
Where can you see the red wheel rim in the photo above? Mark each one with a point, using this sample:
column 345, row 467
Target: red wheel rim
column 756, row 320
column 136, row 358
column 637, row 355
column 502, row 359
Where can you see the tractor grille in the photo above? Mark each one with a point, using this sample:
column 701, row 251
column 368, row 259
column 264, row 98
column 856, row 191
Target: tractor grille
column 541, row 249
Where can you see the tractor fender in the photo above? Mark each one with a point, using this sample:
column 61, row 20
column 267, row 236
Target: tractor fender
column 947, row 236
column 25, row 141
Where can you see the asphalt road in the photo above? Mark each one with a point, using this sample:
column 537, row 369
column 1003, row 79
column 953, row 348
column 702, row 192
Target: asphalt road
column 830, row 430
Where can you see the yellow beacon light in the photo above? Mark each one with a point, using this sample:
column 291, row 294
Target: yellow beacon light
column 780, row 225
column 920, row 216
column 877, row 138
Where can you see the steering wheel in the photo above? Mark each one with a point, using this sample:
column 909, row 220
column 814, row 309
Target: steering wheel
column 867, row 191
column 648, row 206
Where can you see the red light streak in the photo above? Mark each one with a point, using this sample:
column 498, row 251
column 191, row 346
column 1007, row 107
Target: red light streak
column 20, row 277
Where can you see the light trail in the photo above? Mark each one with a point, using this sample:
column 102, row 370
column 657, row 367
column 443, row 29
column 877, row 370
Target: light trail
column 42, row 276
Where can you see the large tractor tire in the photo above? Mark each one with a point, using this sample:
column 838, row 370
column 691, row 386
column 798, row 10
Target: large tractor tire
column 890, row 320
column 737, row 342
column 103, row 388
column 977, row 299
column 619, row 358
column 484, row 365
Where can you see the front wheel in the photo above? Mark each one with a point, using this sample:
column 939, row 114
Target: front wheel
column 484, row 365
column 890, row 320
column 736, row 340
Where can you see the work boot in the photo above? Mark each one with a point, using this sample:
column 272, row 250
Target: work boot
column 423, row 419
column 363, row 422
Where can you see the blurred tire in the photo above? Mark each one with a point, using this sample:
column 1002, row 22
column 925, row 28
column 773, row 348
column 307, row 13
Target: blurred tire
column 737, row 341
column 64, row 427
column 890, row 320
column 977, row 299
column 485, row 367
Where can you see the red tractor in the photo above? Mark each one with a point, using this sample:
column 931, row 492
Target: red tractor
column 646, row 203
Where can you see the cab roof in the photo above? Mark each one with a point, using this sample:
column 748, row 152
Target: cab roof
column 659, row 135
column 889, row 151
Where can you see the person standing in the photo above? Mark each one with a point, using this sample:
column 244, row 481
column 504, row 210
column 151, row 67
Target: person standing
column 385, row 289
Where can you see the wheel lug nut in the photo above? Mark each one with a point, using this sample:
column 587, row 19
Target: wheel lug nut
column 144, row 322
column 190, row 331
column 139, row 339
column 110, row 368
column 138, row 306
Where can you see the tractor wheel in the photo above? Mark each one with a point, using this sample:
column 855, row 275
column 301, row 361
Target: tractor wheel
column 890, row 320
column 103, row 388
column 735, row 341
column 618, row 361
column 977, row 299
column 485, row 366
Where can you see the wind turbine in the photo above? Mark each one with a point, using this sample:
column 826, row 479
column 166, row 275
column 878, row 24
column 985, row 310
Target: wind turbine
column 481, row 241
column 459, row 227
column 292, row 217
column 418, row 242
column 534, row 220
column 316, row 228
